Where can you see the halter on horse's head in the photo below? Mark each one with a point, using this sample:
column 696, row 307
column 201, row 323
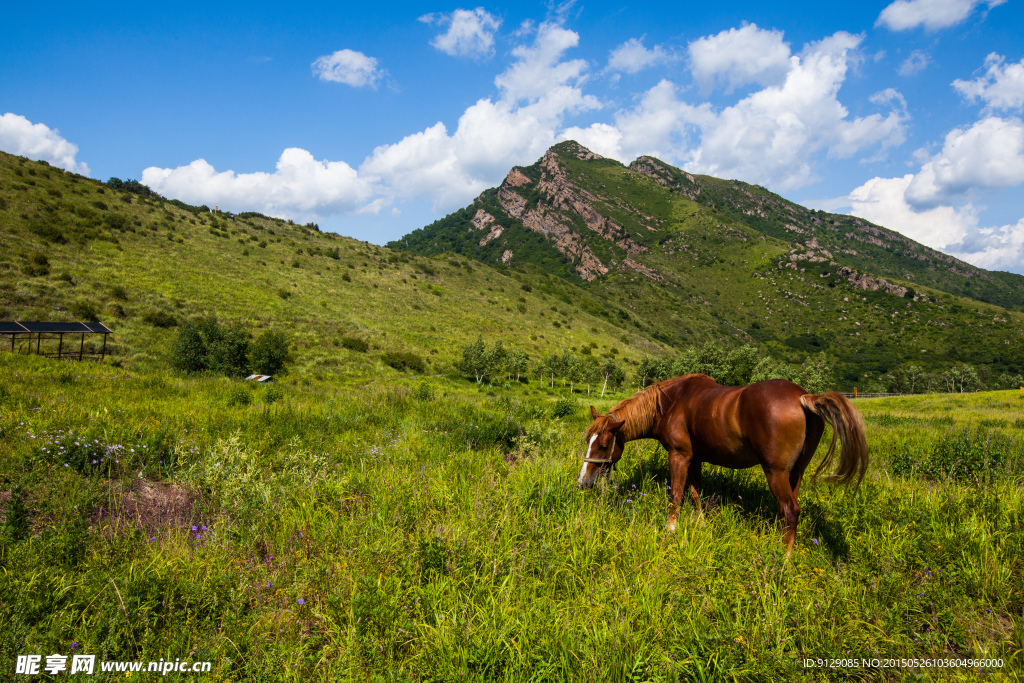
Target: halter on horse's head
column 604, row 447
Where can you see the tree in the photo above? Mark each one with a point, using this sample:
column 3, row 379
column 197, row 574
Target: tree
column 269, row 353
column 742, row 362
column 229, row 351
column 518, row 363
column 575, row 369
column 496, row 358
column 816, row 375
column 961, row 378
column 611, row 372
column 476, row 360
column 189, row 351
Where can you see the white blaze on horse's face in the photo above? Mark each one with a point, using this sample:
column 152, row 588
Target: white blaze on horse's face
column 583, row 470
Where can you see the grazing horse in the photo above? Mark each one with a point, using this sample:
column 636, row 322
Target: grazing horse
column 775, row 424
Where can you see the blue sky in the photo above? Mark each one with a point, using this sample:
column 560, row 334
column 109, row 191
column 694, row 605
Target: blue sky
column 375, row 119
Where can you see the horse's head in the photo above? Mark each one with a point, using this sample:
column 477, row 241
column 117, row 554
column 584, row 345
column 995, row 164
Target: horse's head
column 604, row 448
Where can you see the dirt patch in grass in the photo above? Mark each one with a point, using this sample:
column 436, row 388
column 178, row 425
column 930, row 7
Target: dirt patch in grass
column 149, row 505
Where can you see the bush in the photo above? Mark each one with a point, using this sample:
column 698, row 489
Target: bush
column 564, row 407
column 424, row 392
column 160, row 319
column 228, row 349
column 240, row 396
column 84, row 310
column 38, row 264
column 273, row 395
column 355, row 344
column 189, row 352
column 404, row 360
column 269, row 353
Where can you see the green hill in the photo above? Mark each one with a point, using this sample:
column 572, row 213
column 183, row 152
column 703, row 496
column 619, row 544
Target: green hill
column 686, row 258
column 76, row 248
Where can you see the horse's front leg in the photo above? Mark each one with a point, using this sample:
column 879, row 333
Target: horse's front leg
column 678, row 466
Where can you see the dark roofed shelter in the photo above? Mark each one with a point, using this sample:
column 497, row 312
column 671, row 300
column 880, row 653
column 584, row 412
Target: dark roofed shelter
column 23, row 330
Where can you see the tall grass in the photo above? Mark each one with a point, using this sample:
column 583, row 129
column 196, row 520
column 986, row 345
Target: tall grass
column 398, row 534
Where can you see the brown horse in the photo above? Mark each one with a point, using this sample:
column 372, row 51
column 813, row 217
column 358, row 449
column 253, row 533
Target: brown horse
column 775, row 424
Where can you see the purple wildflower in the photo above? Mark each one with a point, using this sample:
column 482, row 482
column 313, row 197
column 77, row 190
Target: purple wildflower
column 301, row 601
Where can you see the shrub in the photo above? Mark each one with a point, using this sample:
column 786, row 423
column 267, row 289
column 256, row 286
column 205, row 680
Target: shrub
column 355, row 344
column 564, row 407
column 273, row 395
column 17, row 517
column 404, row 360
column 189, row 352
column 424, row 392
column 269, row 353
column 160, row 318
column 37, row 264
column 228, row 350
column 84, row 310
column 240, row 396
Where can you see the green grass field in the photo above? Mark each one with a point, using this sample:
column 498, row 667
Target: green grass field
column 429, row 529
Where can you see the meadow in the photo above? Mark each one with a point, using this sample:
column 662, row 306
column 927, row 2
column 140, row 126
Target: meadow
column 429, row 529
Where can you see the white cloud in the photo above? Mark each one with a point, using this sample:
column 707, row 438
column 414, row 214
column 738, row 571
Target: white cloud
column 882, row 201
column 37, row 141
column 917, row 62
column 536, row 92
column 989, row 154
column 773, row 136
column 300, row 187
column 632, row 56
column 470, row 32
column 1002, row 86
column 953, row 230
column 932, row 14
column 998, row 248
column 348, row 67
column 740, row 56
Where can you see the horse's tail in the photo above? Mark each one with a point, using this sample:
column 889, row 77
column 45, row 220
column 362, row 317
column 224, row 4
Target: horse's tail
column 848, row 427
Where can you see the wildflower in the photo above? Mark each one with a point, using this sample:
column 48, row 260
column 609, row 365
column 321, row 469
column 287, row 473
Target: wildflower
column 815, row 541
column 269, row 585
column 194, row 528
column 301, row 601
column 74, row 645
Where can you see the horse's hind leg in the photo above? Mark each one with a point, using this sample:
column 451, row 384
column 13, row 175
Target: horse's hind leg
column 789, row 508
column 695, row 481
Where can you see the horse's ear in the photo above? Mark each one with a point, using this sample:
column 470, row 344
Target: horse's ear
column 593, row 413
column 615, row 425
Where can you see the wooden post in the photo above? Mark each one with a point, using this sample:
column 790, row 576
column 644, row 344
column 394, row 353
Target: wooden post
column 39, row 342
column 104, row 346
column 855, row 392
column 81, row 349
column 60, row 346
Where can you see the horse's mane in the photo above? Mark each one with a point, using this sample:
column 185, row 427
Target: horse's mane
column 639, row 411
